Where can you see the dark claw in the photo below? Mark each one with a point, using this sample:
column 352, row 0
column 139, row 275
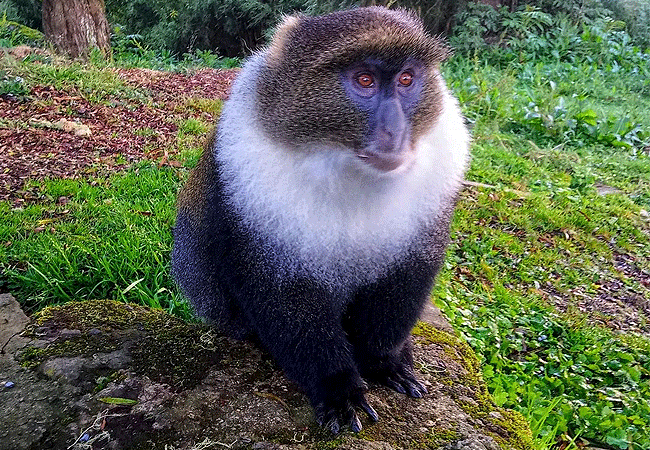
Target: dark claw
column 355, row 424
column 406, row 384
column 395, row 385
column 369, row 410
column 419, row 387
column 334, row 426
column 415, row 389
column 414, row 392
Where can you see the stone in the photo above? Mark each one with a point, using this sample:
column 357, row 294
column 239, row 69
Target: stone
column 151, row 380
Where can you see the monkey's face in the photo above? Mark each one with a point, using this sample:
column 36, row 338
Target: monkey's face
column 387, row 93
column 360, row 82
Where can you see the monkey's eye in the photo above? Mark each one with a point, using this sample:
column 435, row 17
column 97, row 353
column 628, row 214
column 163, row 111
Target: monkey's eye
column 405, row 79
column 365, row 80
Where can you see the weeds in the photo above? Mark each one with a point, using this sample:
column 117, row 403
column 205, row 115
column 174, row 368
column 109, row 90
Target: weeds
column 110, row 240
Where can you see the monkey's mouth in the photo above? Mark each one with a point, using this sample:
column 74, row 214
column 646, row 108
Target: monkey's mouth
column 384, row 162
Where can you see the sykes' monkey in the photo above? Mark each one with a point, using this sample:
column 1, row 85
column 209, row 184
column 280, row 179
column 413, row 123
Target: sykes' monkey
column 318, row 216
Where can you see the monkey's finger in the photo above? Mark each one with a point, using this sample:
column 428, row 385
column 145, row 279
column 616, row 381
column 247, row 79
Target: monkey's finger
column 395, row 385
column 412, row 385
column 419, row 386
column 406, row 385
column 355, row 423
column 334, row 426
column 413, row 390
column 368, row 409
column 350, row 417
column 320, row 414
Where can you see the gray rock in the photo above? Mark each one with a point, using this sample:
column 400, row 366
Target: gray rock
column 102, row 374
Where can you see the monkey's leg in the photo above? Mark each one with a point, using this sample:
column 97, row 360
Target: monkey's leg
column 300, row 327
column 379, row 322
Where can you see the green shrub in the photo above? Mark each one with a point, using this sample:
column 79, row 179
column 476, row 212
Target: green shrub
column 232, row 28
column 13, row 33
column 549, row 30
column 636, row 15
column 26, row 12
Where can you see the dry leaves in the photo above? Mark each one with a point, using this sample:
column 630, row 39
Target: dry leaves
column 55, row 134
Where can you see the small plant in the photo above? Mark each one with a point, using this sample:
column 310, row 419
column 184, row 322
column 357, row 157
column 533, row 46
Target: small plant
column 12, row 86
column 193, row 126
column 207, row 58
column 584, row 127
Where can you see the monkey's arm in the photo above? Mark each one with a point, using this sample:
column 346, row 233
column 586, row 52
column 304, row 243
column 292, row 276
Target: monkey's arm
column 379, row 320
column 294, row 319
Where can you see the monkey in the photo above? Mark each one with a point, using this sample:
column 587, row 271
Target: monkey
column 318, row 216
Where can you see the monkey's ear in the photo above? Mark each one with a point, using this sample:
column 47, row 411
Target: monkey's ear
column 282, row 33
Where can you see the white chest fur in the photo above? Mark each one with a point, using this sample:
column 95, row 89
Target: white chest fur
column 329, row 213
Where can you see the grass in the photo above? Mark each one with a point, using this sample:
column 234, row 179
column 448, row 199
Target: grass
column 545, row 135
column 111, row 240
column 95, row 83
column 532, row 252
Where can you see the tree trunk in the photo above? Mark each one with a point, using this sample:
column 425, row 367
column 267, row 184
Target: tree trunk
column 76, row 26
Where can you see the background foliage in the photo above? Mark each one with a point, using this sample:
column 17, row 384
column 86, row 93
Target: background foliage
column 236, row 27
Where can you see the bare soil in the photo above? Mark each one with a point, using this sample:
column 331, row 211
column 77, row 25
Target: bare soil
column 45, row 138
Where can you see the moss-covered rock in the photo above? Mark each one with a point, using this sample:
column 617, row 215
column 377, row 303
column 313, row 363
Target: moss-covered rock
column 104, row 374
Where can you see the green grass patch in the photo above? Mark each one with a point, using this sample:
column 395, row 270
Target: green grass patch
column 93, row 82
column 111, row 240
column 535, row 251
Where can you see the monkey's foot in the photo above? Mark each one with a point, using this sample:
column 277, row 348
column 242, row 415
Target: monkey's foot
column 399, row 377
column 338, row 408
column 337, row 416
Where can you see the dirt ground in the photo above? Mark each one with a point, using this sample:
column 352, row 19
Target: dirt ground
column 62, row 135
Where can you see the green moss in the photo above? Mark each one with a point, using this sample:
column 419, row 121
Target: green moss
column 32, row 357
column 330, row 445
column 377, row 432
column 507, row 427
column 442, row 436
column 519, row 434
column 455, row 349
column 162, row 346
column 105, row 315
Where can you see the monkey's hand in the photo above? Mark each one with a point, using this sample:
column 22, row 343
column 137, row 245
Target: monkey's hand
column 342, row 394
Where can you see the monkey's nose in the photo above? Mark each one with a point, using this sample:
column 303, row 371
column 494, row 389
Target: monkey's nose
column 391, row 126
